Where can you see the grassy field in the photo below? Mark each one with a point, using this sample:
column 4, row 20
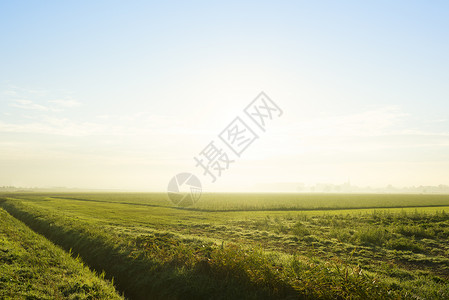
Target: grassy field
column 252, row 246
column 31, row 267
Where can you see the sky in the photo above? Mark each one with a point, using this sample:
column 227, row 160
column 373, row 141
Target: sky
column 124, row 95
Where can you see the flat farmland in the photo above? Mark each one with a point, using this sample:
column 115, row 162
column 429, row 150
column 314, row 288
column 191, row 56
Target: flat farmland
column 252, row 246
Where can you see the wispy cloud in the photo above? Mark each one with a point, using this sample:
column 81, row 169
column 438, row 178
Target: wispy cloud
column 63, row 127
column 381, row 129
column 69, row 103
column 38, row 100
column 30, row 105
column 375, row 122
column 141, row 124
column 10, row 93
column 49, row 106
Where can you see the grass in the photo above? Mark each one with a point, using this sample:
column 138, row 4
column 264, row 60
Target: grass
column 308, row 247
column 31, row 267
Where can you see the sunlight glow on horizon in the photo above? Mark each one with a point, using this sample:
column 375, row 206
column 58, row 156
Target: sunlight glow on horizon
column 126, row 98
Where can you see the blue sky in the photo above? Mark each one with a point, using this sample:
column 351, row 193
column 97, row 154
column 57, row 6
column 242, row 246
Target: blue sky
column 109, row 94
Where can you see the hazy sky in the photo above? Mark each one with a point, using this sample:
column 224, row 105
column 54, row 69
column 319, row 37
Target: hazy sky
column 123, row 94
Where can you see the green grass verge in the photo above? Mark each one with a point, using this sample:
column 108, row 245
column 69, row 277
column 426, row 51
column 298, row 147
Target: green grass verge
column 31, row 267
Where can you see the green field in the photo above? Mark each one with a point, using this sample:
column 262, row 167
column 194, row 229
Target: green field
column 251, row 246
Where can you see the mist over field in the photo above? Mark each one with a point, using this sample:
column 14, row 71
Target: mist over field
column 235, row 150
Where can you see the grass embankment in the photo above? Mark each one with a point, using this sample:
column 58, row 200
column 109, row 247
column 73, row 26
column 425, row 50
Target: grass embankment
column 31, row 267
column 160, row 265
